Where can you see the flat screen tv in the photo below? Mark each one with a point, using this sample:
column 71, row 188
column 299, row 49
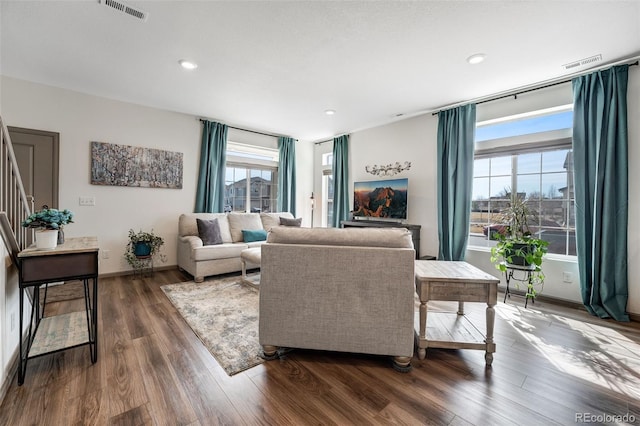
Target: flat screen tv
column 384, row 200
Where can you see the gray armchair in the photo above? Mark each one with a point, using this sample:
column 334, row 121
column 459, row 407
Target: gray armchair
column 347, row 290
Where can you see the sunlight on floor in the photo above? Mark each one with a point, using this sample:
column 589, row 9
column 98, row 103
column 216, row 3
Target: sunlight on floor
column 615, row 364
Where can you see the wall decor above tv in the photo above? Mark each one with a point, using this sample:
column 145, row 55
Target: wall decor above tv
column 384, row 200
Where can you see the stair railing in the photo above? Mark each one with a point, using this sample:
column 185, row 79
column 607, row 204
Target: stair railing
column 13, row 200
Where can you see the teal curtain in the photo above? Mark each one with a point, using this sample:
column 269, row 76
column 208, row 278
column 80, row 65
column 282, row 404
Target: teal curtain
column 287, row 175
column 340, row 170
column 601, row 193
column 213, row 157
column 456, row 134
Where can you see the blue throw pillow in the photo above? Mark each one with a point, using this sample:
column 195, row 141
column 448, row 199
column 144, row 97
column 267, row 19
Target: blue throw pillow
column 250, row 236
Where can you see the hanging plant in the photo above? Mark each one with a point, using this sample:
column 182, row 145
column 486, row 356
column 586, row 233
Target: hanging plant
column 141, row 246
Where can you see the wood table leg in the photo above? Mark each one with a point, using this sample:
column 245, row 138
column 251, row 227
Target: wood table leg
column 491, row 346
column 422, row 352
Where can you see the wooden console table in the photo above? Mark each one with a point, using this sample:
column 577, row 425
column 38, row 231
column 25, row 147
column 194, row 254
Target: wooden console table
column 414, row 229
column 461, row 282
column 76, row 259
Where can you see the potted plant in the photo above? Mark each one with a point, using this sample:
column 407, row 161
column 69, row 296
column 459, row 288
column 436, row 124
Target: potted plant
column 142, row 245
column 49, row 224
column 516, row 246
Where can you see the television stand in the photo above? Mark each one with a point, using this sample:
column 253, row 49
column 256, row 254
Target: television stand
column 415, row 229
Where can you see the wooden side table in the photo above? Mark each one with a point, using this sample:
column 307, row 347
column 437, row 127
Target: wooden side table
column 461, row 282
column 76, row 259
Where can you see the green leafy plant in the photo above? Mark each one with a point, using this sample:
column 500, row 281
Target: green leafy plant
column 153, row 243
column 48, row 219
column 516, row 245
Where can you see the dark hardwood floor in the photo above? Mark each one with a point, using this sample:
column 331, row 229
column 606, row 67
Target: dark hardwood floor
column 553, row 365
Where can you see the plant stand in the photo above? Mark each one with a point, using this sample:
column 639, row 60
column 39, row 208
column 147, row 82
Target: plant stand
column 143, row 267
column 525, row 276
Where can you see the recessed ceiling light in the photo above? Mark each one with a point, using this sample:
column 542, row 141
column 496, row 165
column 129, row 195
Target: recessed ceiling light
column 188, row 65
column 329, row 111
column 476, row 58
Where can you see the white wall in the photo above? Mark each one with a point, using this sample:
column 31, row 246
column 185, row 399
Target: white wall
column 9, row 315
column 414, row 140
column 304, row 181
column 411, row 140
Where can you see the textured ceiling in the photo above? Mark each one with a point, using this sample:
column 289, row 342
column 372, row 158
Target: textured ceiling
column 277, row 66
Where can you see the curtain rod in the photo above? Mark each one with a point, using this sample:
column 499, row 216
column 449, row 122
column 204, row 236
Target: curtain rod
column 330, row 140
column 202, row 120
column 533, row 89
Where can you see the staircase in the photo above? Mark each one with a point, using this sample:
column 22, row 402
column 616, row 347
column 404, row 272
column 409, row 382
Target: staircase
column 14, row 205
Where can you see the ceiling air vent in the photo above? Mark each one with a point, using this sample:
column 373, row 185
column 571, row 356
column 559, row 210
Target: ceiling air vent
column 583, row 62
column 125, row 8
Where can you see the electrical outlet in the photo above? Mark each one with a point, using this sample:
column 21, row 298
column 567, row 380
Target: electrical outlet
column 105, row 254
column 87, row 201
column 567, row 277
column 13, row 321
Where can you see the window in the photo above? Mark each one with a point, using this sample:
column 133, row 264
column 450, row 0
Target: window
column 251, row 179
column 327, row 189
column 530, row 155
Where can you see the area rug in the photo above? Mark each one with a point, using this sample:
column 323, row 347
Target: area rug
column 223, row 313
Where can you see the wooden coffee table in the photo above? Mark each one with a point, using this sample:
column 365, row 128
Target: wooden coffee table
column 461, row 282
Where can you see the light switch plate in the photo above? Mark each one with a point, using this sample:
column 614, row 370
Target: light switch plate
column 87, row 201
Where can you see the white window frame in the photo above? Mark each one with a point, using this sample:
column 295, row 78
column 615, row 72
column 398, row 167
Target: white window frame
column 251, row 157
column 523, row 144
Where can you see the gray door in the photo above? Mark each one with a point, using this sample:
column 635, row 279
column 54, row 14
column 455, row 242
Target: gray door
column 37, row 156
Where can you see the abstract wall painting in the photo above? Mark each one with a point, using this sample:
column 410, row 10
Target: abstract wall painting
column 123, row 165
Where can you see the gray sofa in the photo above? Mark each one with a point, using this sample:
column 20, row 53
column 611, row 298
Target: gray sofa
column 347, row 290
column 202, row 260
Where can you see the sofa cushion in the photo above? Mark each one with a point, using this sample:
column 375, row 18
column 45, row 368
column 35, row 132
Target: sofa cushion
column 221, row 251
column 368, row 237
column 209, row 231
column 270, row 220
column 240, row 221
column 284, row 221
column 187, row 224
column 250, row 236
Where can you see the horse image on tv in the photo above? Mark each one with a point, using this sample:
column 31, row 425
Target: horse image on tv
column 381, row 199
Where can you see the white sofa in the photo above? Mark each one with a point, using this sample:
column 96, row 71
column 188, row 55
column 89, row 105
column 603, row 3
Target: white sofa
column 202, row 260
